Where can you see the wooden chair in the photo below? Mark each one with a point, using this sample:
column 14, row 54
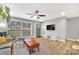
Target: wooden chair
column 30, row 45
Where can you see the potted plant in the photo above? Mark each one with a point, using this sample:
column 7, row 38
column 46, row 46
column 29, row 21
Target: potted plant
column 4, row 12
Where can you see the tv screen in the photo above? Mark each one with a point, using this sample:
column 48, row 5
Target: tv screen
column 50, row 27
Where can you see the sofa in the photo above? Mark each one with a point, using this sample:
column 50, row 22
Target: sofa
column 5, row 41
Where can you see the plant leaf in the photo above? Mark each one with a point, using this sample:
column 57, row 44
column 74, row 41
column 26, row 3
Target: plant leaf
column 7, row 9
column 1, row 10
column 4, row 12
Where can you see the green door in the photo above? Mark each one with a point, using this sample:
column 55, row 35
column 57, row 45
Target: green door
column 38, row 30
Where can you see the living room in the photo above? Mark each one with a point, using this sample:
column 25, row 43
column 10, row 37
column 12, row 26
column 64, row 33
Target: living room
column 54, row 27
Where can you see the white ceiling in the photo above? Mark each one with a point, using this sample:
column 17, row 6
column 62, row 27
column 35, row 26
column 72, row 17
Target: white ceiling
column 51, row 10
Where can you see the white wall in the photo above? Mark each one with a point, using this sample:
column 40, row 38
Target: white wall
column 73, row 26
column 34, row 28
column 60, row 28
column 66, row 28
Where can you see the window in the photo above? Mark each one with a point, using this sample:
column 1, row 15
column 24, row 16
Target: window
column 26, row 25
column 14, row 25
column 19, row 29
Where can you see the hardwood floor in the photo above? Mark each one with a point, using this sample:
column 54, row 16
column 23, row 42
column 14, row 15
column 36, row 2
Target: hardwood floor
column 60, row 48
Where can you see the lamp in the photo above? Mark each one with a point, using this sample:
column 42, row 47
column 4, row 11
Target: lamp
column 35, row 17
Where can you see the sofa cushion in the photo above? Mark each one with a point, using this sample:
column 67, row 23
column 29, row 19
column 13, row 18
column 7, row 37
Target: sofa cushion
column 4, row 34
column 2, row 40
column 8, row 39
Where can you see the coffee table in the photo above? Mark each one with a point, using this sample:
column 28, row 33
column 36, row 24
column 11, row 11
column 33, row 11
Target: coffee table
column 15, row 44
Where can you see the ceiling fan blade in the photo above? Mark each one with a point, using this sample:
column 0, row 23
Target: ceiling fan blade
column 41, row 15
column 29, row 14
column 36, row 12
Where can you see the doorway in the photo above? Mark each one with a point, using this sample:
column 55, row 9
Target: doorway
column 38, row 30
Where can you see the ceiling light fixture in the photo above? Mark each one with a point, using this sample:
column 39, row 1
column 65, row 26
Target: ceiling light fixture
column 63, row 14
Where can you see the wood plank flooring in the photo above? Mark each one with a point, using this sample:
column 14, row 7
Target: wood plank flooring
column 60, row 48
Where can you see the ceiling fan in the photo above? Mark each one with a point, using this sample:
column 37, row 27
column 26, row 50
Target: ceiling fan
column 36, row 15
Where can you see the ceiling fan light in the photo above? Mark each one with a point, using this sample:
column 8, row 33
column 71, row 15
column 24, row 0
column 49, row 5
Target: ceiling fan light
column 35, row 16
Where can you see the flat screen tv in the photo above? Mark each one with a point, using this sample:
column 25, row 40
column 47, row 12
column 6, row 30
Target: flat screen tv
column 50, row 27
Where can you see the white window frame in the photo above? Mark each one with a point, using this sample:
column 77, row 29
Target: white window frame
column 21, row 26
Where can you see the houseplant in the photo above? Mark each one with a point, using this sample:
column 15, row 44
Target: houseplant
column 4, row 13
